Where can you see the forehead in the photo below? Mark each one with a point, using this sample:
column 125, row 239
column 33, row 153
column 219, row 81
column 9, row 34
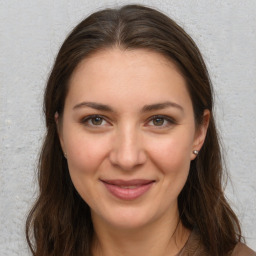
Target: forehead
column 127, row 76
column 116, row 59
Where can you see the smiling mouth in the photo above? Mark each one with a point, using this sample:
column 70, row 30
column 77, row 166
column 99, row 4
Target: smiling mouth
column 128, row 190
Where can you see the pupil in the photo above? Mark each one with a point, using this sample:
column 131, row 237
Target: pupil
column 97, row 120
column 158, row 121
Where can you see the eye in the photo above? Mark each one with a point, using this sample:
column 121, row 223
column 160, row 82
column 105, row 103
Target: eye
column 161, row 121
column 94, row 120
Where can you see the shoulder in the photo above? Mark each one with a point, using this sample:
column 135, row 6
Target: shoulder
column 194, row 247
column 242, row 250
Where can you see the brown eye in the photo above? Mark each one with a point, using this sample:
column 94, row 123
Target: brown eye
column 158, row 121
column 96, row 120
column 161, row 121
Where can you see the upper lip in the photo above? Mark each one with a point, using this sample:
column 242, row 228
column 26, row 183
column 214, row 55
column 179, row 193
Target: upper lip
column 134, row 182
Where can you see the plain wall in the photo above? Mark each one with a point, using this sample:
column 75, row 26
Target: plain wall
column 30, row 35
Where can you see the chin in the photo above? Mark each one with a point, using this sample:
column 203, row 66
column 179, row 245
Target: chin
column 127, row 217
column 131, row 223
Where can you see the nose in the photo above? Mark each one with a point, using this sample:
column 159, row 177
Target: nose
column 127, row 151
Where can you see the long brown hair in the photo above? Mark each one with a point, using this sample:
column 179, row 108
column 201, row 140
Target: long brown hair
column 60, row 222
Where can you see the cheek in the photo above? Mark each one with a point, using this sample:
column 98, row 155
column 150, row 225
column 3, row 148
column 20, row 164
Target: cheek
column 86, row 153
column 171, row 157
column 172, row 154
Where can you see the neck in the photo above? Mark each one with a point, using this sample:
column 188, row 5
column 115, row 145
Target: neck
column 164, row 237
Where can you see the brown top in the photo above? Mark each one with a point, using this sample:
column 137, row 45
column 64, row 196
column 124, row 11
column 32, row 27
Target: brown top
column 194, row 247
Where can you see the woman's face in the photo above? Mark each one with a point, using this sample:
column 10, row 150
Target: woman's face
column 129, row 133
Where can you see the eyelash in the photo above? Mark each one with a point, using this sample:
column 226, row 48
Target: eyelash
column 87, row 119
column 170, row 121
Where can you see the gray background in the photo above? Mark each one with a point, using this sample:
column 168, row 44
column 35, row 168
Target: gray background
column 30, row 35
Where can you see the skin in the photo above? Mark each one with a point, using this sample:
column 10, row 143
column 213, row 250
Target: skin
column 128, row 143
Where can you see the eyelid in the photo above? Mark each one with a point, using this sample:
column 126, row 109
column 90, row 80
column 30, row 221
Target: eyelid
column 85, row 120
column 170, row 120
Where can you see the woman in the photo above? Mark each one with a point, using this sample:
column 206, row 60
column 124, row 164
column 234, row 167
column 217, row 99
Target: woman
column 131, row 162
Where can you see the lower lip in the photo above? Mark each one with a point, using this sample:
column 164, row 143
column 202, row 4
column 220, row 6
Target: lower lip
column 128, row 193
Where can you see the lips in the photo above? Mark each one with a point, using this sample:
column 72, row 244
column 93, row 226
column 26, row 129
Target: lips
column 128, row 189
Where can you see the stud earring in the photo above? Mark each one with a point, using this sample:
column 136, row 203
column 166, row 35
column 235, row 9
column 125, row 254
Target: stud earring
column 65, row 154
column 195, row 152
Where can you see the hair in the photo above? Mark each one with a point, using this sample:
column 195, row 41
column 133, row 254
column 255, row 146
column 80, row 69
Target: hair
column 60, row 222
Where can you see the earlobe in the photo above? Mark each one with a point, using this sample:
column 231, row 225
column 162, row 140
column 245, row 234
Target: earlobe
column 200, row 134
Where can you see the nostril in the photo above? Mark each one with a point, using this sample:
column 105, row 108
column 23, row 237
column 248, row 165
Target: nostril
column 127, row 150
column 127, row 160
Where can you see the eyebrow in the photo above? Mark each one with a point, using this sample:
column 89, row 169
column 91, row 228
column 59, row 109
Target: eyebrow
column 94, row 105
column 162, row 105
column 146, row 108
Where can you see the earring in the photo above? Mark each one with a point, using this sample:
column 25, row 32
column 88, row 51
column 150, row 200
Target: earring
column 65, row 154
column 195, row 152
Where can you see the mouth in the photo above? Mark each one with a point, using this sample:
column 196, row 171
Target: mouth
column 128, row 189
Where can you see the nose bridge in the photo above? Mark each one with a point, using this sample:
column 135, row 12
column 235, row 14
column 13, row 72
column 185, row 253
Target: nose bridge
column 127, row 151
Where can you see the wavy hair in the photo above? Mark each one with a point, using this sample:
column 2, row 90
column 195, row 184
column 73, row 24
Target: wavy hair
column 60, row 222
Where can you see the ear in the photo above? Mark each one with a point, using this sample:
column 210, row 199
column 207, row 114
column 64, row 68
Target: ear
column 200, row 133
column 58, row 125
